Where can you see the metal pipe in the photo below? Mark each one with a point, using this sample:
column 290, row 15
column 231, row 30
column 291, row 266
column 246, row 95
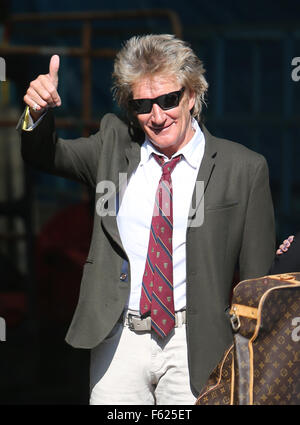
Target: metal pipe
column 102, row 15
column 51, row 50
column 86, row 73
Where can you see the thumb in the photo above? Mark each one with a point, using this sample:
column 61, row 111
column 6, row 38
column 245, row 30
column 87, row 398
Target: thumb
column 53, row 68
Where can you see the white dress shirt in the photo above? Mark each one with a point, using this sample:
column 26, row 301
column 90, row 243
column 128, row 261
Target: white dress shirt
column 136, row 209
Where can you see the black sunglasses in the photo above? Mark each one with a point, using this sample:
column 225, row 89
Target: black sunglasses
column 165, row 101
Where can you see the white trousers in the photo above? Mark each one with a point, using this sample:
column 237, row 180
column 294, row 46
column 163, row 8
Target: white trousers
column 140, row 368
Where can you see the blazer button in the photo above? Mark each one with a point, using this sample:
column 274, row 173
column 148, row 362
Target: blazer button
column 123, row 276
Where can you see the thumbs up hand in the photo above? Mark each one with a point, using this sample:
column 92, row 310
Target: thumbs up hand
column 42, row 92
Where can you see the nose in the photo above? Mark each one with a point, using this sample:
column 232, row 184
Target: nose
column 157, row 115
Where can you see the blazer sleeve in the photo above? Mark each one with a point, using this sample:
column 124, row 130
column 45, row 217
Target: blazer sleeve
column 258, row 241
column 76, row 159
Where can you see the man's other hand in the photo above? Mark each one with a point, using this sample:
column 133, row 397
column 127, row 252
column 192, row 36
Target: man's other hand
column 285, row 245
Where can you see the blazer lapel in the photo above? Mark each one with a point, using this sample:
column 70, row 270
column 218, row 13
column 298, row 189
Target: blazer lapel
column 132, row 153
column 204, row 175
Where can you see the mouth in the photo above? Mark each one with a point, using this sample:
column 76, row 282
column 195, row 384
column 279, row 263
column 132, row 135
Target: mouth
column 158, row 130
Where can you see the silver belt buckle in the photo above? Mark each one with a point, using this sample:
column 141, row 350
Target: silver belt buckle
column 130, row 321
column 137, row 324
column 130, row 324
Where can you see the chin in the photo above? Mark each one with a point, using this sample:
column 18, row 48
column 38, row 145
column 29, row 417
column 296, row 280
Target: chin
column 163, row 145
column 163, row 141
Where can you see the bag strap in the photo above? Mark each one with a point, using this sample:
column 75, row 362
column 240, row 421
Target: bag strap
column 285, row 276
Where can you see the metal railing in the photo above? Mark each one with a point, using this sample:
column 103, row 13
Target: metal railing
column 85, row 52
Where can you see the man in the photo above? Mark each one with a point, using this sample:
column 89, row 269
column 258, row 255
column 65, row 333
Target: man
column 158, row 276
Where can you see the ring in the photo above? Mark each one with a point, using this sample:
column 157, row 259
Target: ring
column 35, row 107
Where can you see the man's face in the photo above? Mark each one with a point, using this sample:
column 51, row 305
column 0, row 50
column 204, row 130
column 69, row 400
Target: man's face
column 169, row 130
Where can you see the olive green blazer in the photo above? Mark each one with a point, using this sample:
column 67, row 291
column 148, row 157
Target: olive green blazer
column 238, row 229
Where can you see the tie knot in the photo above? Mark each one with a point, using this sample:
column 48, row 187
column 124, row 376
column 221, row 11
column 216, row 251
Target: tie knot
column 167, row 167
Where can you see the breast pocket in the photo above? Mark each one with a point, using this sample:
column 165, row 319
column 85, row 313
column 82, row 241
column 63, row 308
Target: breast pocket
column 220, row 207
column 220, row 220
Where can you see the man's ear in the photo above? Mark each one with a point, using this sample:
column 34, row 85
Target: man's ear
column 134, row 128
column 192, row 99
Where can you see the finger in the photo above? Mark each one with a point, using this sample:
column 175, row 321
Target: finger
column 291, row 238
column 45, row 88
column 33, row 96
column 31, row 103
column 52, row 89
column 54, row 68
column 34, row 106
column 281, row 247
column 279, row 252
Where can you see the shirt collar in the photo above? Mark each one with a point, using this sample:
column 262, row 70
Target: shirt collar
column 189, row 151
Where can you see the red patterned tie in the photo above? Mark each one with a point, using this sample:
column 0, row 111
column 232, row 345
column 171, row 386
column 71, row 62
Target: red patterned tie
column 157, row 286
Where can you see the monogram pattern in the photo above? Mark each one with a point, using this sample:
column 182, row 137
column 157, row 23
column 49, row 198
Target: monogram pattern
column 218, row 388
column 265, row 347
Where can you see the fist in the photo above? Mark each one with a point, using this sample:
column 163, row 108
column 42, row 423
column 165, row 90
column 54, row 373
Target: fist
column 42, row 92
